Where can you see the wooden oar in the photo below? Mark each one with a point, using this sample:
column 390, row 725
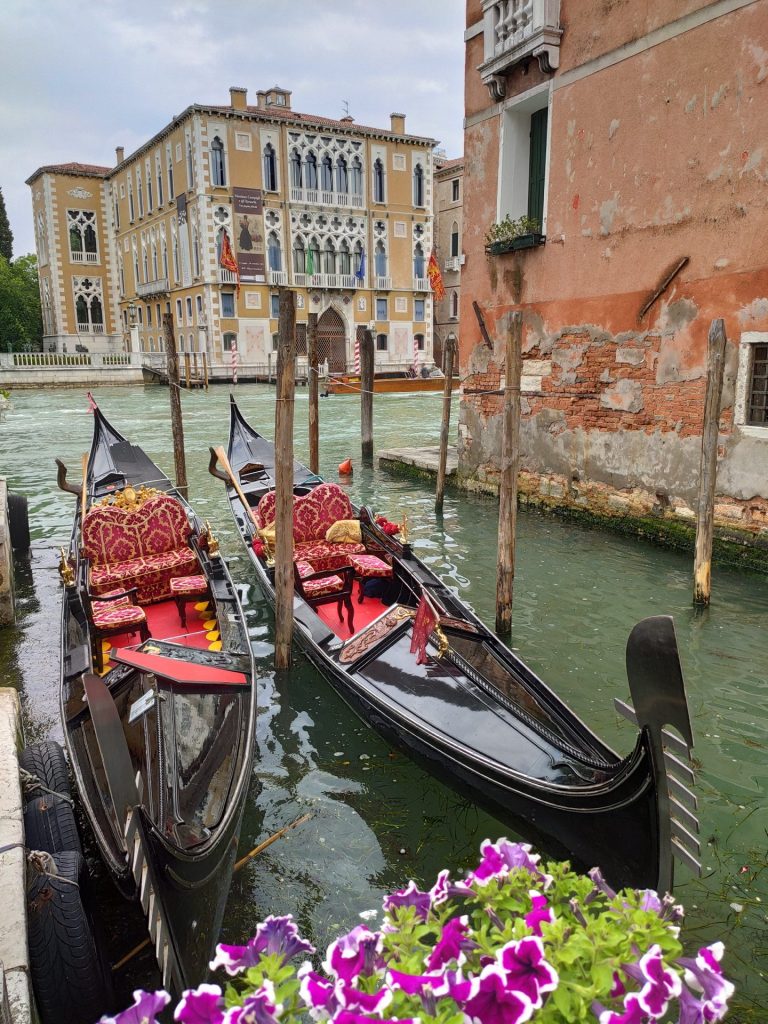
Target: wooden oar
column 221, row 455
column 84, row 487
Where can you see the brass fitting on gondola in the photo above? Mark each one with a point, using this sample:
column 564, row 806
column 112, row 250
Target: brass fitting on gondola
column 211, row 542
column 405, row 531
column 66, row 570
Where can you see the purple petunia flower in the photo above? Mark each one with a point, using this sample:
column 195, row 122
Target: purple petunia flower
column 347, row 1017
column 146, row 1006
column 445, row 889
column 321, row 996
column 414, row 984
column 618, row 988
column 540, row 912
column 496, row 1002
column 201, row 1005
column 501, row 857
column 650, row 900
column 600, row 885
column 358, row 952
column 411, row 896
column 526, row 969
column 274, row 935
column 705, row 975
column 661, row 983
column 258, row 1008
column 355, row 1001
column 452, row 943
column 632, row 1014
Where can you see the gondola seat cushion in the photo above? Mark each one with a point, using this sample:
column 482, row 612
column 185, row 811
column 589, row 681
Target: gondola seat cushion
column 142, row 547
column 327, row 585
column 313, row 515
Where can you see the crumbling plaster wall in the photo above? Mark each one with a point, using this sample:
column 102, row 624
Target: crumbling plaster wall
column 654, row 158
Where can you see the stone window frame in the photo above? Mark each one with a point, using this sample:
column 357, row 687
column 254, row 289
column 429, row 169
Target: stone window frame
column 747, row 343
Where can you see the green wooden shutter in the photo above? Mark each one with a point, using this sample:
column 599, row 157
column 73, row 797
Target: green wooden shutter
column 537, row 165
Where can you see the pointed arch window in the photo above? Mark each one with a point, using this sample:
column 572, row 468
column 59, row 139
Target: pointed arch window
column 345, row 258
column 139, row 192
column 218, row 169
column 150, row 196
column 155, row 273
column 378, row 181
column 196, row 251
column 313, row 256
column 419, row 269
column 380, row 259
column 296, row 168
column 270, row 168
column 145, row 262
column 311, row 168
column 455, row 239
column 418, row 185
column 131, row 211
column 329, row 258
column 356, row 177
column 274, row 254
column 326, row 174
column 299, row 256
column 455, row 305
column 169, row 165
column 190, row 165
column 165, row 258
column 176, row 274
column 159, row 173
column 358, row 262
column 342, row 176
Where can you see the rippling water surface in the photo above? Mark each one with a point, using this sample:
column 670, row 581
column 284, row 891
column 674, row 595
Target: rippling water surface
column 376, row 818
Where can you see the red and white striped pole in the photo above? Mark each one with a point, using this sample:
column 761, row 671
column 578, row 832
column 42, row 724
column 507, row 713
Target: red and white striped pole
column 415, row 356
column 234, row 362
column 357, row 353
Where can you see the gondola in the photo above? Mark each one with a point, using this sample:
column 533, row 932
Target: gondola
column 158, row 722
column 474, row 714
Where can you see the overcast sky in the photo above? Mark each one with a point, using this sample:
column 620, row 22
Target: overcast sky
column 79, row 77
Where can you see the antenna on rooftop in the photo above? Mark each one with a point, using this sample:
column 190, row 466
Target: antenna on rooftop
column 345, row 105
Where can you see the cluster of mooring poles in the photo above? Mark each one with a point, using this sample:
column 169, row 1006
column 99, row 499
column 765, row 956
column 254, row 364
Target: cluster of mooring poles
column 508, row 465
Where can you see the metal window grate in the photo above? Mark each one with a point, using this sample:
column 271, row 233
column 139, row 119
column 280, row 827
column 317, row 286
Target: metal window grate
column 758, row 392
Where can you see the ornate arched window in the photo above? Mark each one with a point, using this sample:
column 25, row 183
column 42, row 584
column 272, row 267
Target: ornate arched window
column 342, row 177
column 380, row 259
column 169, row 166
column 326, row 174
column 356, row 177
column 419, row 269
column 274, row 255
column 299, row 256
column 296, row 168
column 159, row 174
column 455, row 239
column 378, row 181
column 218, row 170
column 190, row 165
column 329, row 258
column 311, row 169
column 314, row 253
column 165, row 258
column 139, row 192
column 418, row 185
column 345, row 258
column 270, row 168
column 131, row 214
column 145, row 261
column 358, row 262
column 196, row 251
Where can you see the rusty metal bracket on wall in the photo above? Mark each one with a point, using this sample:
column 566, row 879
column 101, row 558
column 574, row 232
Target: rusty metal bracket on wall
column 663, row 286
column 481, row 322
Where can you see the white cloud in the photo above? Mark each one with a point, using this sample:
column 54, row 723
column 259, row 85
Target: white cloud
column 79, row 77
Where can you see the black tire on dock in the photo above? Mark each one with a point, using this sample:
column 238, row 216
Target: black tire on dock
column 18, row 522
column 66, row 969
column 49, row 825
column 46, row 761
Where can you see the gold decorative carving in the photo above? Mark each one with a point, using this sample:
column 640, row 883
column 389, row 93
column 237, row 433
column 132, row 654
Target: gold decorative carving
column 129, row 498
column 405, row 530
column 210, row 541
column 364, row 640
column 66, row 570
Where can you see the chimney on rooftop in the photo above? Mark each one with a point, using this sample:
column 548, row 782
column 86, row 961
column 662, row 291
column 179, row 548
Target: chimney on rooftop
column 120, row 153
column 238, row 97
column 347, row 119
column 261, row 99
column 398, row 123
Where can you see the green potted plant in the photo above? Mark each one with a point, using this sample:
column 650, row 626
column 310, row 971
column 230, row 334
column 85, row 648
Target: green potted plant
column 508, row 235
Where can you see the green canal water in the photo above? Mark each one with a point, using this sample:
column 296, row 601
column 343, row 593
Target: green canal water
column 376, row 819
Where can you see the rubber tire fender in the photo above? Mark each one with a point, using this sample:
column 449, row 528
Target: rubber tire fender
column 49, row 825
column 46, row 760
column 18, row 522
column 65, row 967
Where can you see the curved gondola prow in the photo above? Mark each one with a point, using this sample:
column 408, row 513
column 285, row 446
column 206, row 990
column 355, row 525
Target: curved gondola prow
column 62, row 482
column 658, row 695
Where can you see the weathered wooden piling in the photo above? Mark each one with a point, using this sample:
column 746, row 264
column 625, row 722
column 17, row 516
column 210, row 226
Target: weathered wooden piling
column 702, row 567
column 510, row 452
column 174, row 388
column 286, row 387
column 445, row 426
column 366, row 394
column 313, row 383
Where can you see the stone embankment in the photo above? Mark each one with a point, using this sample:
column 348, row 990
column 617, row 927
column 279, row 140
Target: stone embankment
column 7, row 612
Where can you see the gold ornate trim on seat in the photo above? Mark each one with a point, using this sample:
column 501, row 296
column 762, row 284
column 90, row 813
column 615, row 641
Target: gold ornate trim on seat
column 371, row 635
column 129, row 498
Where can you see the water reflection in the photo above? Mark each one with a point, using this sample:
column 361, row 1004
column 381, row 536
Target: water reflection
column 376, row 819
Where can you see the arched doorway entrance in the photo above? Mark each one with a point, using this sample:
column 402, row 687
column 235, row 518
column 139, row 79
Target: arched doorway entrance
column 332, row 341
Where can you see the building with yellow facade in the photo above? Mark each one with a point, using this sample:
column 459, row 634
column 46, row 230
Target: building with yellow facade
column 340, row 212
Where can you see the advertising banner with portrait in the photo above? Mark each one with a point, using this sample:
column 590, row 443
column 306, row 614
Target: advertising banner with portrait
column 248, row 210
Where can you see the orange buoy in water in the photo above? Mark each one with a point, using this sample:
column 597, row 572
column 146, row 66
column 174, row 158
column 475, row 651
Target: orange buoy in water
column 345, row 468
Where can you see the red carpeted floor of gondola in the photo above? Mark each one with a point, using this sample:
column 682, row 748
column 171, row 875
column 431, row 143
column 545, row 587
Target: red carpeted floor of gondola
column 201, row 631
column 365, row 613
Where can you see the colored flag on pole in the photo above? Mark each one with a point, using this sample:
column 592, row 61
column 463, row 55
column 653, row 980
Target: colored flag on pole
column 423, row 625
column 309, row 266
column 227, row 258
column 360, row 272
column 435, row 277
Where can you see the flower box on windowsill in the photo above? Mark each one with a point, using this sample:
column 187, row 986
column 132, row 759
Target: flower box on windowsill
column 529, row 241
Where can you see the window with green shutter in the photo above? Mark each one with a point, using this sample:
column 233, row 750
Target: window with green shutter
column 537, row 166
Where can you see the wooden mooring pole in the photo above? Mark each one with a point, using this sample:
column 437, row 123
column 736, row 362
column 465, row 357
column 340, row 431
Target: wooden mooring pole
column 174, row 388
column 510, row 450
column 445, row 426
column 313, row 384
column 286, row 388
column 366, row 395
column 702, row 567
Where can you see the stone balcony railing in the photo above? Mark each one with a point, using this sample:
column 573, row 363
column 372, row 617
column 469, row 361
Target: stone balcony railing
column 227, row 276
column 156, row 287
column 323, row 197
column 518, row 30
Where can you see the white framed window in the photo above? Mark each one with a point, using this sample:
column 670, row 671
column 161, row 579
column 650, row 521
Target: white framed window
column 169, row 169
column 199, row 307
column 150, row 192
column 218, row 163
column 381, row 309
column 274, row 306
column 178, row 152
column 189, row 309
column 228, row 341
column 419, row 340
column 190, row 165
column 524, row 158
column 228, row 304
column 179, row 312
column 139, row 192
column 83, row 240
column 379, row 193
column 750, row 412
column 419, row 306
column 131, row 211
column 454, row 305
column 381, row 343
column 270, row 168
column 455, row 190
column 418, row 186
column 454, row 239
column 149, row 315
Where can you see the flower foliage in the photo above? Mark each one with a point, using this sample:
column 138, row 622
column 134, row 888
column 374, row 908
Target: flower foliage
column 510, row 943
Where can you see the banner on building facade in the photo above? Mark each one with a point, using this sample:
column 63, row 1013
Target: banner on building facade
column 183, row 228
column 248, row 210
